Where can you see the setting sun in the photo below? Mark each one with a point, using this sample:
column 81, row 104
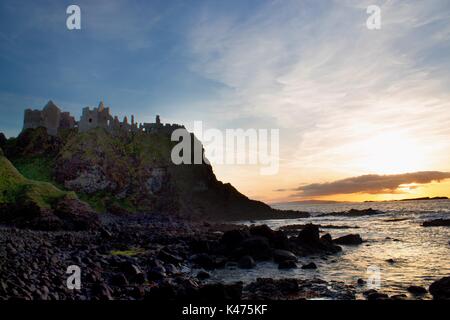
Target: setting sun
column 390, row 153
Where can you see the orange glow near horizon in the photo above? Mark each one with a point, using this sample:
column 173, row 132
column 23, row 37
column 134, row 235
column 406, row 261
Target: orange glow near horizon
column 431, row 190
column 386, row 153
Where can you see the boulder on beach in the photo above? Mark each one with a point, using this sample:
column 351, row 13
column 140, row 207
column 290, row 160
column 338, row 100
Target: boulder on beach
column 309, row 234
column 377, row 296
column 350, row 239
column 246, row 262
column 202, row 275
column 277, row 239
column 271, row 289
column 257, row 247
column 233, row 238
column 437, row 223
column 283, row 255
column 310, row 265
column 287, row 264
column 203, row 260
column 309, row 242
column 440, row 289
column 417, row 290
column 327, row 238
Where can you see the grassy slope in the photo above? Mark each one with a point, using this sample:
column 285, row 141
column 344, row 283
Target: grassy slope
column 37, row 168
column 14, row 188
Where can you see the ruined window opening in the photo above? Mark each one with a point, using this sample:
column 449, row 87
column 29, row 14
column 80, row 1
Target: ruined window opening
column 90, row 120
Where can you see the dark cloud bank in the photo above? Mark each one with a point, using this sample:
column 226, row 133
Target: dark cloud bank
column 370, row 183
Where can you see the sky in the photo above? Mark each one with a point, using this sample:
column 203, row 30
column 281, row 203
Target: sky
column 362, row 114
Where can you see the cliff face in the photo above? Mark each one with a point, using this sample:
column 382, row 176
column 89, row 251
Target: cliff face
column 131, row 172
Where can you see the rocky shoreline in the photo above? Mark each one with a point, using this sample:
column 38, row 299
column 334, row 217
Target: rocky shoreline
column 140, row 257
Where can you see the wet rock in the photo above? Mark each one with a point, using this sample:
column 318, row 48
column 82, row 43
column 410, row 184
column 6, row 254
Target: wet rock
column 271, row 289
column 203, row 260
column 156, row 273
column 231, row 239
column 309, row 234
column 370, row 291
column 119, row 280
column 326, row 238
column 202, row 275
column 283, row 255
column 287, row 264
column 391, row 261
column 105, row 233
column 437, row 223
column 417, row 290
column 163, row 292
column 171, row 269
column 361, row 282
column 133, row 272
column 377, row 296
column 310, row 265
column 256, row 247
column 350, row 239
column 309, row 242
column 44, row 293
column 277, row 239
column 102, row 291
column 136, row 292
column 200, row 246
column 220, row 292
column 440, row 289
column 246, row 262
column 231, row 265
column 399, row 297
column 354, row 213
column 364, row 212
column 262, row 231
column 168, row 257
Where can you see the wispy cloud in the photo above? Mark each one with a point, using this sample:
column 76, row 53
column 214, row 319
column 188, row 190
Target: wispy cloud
column 348, row 101
column 370, row 184
column 331, row 84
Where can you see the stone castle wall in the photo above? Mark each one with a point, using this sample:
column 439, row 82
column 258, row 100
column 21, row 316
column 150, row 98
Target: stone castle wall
column 50, row 118
column 53, row 119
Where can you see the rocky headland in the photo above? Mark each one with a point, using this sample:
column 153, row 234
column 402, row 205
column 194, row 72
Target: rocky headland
column 118, row 172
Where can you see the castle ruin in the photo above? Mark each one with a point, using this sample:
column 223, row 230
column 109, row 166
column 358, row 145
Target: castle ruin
column 53, row 119
column 50, row 118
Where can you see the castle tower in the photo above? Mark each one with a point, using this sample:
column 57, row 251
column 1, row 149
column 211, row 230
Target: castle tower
column 51, row 116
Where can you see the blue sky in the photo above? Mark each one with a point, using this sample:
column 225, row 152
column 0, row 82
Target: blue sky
column 348, row 101
column 131, row 54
